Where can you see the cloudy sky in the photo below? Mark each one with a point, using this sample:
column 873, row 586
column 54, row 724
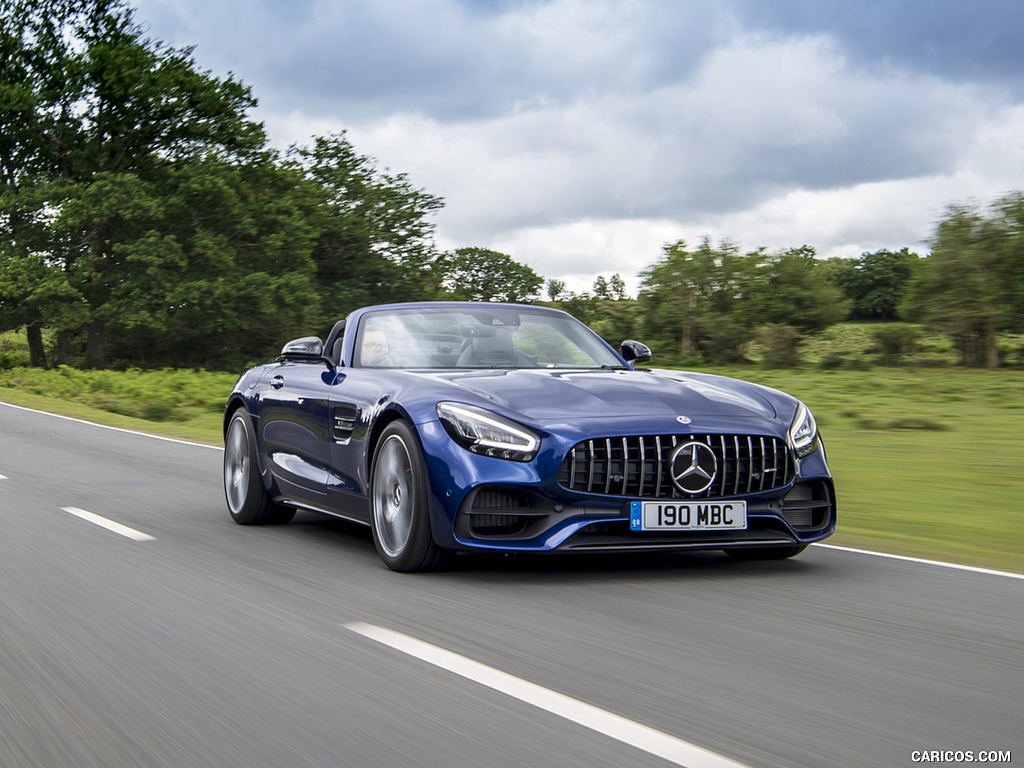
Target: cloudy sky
column 580, row 136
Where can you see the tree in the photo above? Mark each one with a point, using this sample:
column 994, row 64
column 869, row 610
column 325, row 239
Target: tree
column 972, row 284
column 700, row 298
column 796, row 291
column 479, row 274
column 375, row 234
column 711, row 300
column 26, row 290
column 613, row 288
column 222, row 271
column 555, row 289
column 104, row 105
column 875, row 283
column 617, row 287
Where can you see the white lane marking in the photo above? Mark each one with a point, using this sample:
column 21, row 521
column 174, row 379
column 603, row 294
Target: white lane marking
column 627, row 731
column 3, row 477
column 110, row 525
column 940, row 563
column 114, row 429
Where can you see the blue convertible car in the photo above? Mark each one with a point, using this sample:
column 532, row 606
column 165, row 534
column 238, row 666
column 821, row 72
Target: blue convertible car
column 468, row 427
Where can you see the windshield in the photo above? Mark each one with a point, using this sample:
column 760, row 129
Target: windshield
column 478, row 338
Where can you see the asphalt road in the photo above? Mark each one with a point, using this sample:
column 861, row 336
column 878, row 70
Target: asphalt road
column 212, row 644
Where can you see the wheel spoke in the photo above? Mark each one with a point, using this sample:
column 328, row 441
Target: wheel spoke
column 393, row 496
column 236, row 466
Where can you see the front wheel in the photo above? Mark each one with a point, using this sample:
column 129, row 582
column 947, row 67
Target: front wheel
column 766, row 553
column 398, row 497
column 243, row 489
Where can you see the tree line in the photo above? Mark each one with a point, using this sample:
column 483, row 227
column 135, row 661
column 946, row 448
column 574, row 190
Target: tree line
column 145, row 220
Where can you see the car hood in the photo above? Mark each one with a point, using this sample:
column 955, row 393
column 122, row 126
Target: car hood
column 544, row 395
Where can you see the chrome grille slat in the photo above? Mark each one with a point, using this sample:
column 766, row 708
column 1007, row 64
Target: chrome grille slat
column 736, row 474
column 750, row 464
column 763, row 473
column 608, row 466
column 625, row 466
column 661, row 469
column 643, row 467
column 747, row 464
column 724, row 473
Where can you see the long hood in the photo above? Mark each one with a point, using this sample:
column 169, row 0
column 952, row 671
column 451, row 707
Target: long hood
column 547, row 395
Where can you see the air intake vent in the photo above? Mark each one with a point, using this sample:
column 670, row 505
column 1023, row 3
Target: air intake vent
column 807, row 507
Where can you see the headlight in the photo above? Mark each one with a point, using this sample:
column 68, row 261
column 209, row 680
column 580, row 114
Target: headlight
column 486, row 433
column 804, row 432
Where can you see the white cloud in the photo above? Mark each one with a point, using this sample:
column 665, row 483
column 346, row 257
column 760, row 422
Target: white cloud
column 580, row 136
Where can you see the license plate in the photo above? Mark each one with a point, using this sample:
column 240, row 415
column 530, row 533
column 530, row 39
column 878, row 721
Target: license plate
column 687, row 515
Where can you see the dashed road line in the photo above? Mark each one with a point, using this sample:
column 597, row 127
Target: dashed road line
column 110, row 525
column 620, row 728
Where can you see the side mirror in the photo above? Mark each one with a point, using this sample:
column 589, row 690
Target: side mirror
column 634, row 352
column 306, row 348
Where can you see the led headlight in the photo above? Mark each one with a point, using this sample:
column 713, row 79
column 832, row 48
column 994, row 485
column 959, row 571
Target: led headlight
column 486, row 433
column 804, row 432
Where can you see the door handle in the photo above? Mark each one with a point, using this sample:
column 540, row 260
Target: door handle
column 277, row 382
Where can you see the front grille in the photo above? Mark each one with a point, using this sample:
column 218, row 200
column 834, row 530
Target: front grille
column 639, row 466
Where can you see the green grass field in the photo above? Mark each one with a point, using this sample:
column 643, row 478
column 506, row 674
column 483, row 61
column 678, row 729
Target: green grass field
column 928, row 461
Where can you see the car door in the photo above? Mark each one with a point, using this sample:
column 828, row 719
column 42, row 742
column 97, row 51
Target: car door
column 294, row 428
column 356, row 398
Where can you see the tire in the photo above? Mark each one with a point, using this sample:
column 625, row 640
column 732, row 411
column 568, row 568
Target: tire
column 399, row 503
column 243, row 488
column 765, row 553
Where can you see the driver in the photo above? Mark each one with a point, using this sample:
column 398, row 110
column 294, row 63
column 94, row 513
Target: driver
column 375, row 347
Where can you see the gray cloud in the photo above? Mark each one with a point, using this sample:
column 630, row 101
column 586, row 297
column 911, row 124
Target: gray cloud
column 956, row 40
column 544, row 124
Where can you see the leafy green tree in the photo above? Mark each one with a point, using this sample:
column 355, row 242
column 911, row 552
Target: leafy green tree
column 711, row 300
column 795, row 291
column 972, row 284
column 613, row 288
column 26, row 290
column 108, row 107
column 700, row 299
column 555, row 289
column 375, row 231
column 222, row 270
column 617, row 287
column 875, row 283
column 479, row 274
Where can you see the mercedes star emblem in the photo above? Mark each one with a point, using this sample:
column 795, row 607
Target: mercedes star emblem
column 693, row 467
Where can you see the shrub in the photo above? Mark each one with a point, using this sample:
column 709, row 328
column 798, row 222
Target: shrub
column 833, row 361
column 779, row 345
column 894, row 340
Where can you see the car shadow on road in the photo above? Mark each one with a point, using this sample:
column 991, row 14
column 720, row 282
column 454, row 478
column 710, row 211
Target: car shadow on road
column 357, row 540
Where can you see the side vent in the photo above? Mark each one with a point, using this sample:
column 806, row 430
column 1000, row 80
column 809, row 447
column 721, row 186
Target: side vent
column 344, row 421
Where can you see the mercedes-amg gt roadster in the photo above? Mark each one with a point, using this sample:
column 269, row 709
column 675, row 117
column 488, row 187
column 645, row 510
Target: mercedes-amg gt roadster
column 454, row 427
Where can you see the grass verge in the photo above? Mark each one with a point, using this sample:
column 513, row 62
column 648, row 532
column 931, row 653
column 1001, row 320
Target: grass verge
column 927, row 461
